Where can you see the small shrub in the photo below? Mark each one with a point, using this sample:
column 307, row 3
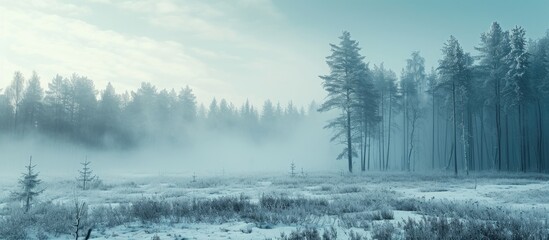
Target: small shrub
column 109, row 216
column 150, row 210
column 13, row 225
column 386, row 214
column 270, row 202
column 442, row 228
column 329, row 234
column 384, row 231
column 355, row 236
column 407, row 204
column 97, row 183
column 41, row 235
column 326, row 188
column 219, row 209
column 350, row 189
column 302, row 234
column 359, row 220
column 53, row 217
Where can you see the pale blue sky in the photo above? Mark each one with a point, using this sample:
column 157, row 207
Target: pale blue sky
column 239, row 49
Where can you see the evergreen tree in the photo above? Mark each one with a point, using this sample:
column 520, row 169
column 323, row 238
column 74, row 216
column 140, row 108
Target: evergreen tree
column 108, row 110
column 347, row 69
column 85, row 175
column 493, row 49
column 57, row 105
column 187, row 101
column 14, row 94
column 226, row 115
column 432, row 91
column 84, row 106
column 142, row 108
column 268, row 114
column 213, row 113
column 516, row 91
column 366, row 111
column 6, row 111
column 454, row 71
column 413, row 76
column 539, row 76
column 29, row 183
column 31, row 105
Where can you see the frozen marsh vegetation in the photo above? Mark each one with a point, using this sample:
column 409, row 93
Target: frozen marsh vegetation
column 272, row 206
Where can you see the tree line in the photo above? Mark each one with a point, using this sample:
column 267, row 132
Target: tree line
column 481, row 111
column 72, row 109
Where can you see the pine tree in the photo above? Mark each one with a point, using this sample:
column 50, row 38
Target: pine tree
column 108, row 110
column 413, row 76
column 187, row 100
column 516, row 91
column 454, row 72
column 14, row 93
column 57, row 105
column 213, row 113
column 493, row 49
column 6, row 111
column 347, row 69
column 539, row 76
column 431, row 90
column 366, row 109
column 31, row 105
column 29, row 183
column 86, row 175
column 268, row 114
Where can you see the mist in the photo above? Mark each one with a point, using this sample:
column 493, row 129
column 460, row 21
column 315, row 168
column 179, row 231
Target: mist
column 203, row 151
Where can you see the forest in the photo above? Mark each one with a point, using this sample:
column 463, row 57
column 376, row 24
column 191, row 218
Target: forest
column 477, row 111
column 72, row 109
column 472, row 112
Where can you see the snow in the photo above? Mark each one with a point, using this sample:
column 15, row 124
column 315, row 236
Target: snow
column 515, row 192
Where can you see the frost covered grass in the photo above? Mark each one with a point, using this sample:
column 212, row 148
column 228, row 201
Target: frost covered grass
column 318, row 206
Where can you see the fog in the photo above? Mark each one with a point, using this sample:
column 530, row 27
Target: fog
column 203, row 152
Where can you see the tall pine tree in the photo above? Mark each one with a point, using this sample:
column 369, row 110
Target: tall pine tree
column 347, row 72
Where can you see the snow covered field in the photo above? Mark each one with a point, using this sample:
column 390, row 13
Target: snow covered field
column 349, row 205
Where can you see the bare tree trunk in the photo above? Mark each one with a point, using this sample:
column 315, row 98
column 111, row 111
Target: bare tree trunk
column 414, row 118
column 455, row 127
column 362, row 148
column 88, row 235
column 369, row 145
column 382, row 138
column 380, row 148
column 507, row 148
column 465, row 143
column 471, row 140
column 349, row 143
column 403, row 161
column 433, row 137
column 349, row 138
column 388, row 135
column 450, row 158
column 498, row 126
column 540, row 139
column 522, row 144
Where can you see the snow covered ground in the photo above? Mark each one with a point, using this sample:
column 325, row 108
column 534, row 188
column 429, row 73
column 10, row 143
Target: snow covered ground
column 508, row 191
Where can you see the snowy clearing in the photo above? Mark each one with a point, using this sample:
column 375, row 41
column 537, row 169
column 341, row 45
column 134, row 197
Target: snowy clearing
column 350, row 204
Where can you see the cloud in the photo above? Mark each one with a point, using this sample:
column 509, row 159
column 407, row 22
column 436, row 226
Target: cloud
column 231, row 50
column 50, row 44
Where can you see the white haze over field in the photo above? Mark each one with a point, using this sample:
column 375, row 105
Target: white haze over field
column 206, row 152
